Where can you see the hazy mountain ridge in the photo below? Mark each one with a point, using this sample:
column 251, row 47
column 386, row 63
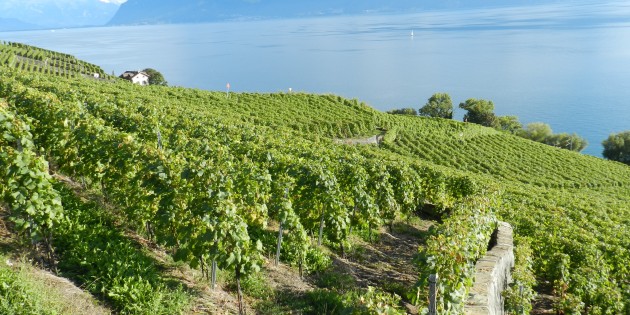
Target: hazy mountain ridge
column 16, row 25
column 192, row 11
column 24, row 15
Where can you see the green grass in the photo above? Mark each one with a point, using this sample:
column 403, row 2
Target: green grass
column 24, row 290
column 95, row 252
column 19, row 294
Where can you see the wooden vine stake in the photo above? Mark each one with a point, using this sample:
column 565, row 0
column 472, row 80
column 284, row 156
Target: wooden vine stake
column 280, row 230
column 241, row 306
column 433, row 279
column 321, row 230
column 159, row 138
column 213, row 274
column 354, row 216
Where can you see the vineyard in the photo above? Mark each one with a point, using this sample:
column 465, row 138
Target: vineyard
column 225, row 182
column 28, row 58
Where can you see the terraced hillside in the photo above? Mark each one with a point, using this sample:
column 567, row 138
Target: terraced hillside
column 176, row 159
column 35, row 59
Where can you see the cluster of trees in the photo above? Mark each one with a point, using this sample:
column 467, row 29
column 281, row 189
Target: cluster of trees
column 617, row 147
column 439, row 105
column 542, row 132
column 404, row 111
column 481, row 112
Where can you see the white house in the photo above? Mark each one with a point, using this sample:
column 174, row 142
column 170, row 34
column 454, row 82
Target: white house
column 136, row 77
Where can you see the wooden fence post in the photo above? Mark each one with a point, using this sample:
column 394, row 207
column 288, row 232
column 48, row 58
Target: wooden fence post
column 433, row 279
column 520, row 293
column 280, row 231
column 213, row 274
column 159, row 138
column 279, row 246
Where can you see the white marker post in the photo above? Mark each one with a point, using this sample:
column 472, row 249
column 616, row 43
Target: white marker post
column 227, row 92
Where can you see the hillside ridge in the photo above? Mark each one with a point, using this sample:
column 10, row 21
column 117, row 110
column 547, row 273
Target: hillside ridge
column 194, row 11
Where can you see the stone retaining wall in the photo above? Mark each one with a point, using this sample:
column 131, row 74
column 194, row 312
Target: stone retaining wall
column 492, row 275
column 372, row 140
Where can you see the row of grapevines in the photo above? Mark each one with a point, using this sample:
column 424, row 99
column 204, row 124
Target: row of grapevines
column 302, row 107
column 455, row 246
column 507, row 157
column 25, row 184
column 41, row 60
column 83, row 235
column 201, row 197
column 196, row 211
column 195, row 208
column 297, row 111
column 580, row 244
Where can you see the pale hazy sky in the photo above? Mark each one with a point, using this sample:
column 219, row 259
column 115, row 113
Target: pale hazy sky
column 15, row 2
column 114, row 1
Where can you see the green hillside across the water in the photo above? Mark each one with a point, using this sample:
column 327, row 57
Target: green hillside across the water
column 214, row 177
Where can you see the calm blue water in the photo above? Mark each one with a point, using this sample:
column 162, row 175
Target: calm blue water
column 566, row 65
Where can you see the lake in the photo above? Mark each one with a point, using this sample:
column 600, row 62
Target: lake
column 564, row 64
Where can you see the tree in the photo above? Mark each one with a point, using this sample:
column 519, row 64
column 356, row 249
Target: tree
column 567, row 141
column 509, row 124
column 403, row 111
column 617, row 147
column 155, row 77
column 479, row 112
column 541, row 132
column 438, row 105
column 536, row 131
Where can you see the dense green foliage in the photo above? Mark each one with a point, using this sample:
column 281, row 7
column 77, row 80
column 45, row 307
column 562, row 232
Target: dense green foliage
column 452, row 258
column 439, row 105
column 173, row 170
column 35, row 206
column 508, row 124
column 519, row 295
column 480, row 112
column 537, row 131
column 203, row 174
column 617, row 147
column 541, row 132
column 95, row 252
column 404, row 111
column 155, row 77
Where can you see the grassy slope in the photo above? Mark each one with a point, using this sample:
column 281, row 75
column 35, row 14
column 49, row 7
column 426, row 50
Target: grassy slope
column 565, row 201
column 27, row 289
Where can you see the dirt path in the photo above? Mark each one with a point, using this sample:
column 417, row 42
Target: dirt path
column 387, row 263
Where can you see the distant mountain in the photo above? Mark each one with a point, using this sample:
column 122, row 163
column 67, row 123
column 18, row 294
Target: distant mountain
column 55, row 13
column 193, row 11
column 16, row 25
